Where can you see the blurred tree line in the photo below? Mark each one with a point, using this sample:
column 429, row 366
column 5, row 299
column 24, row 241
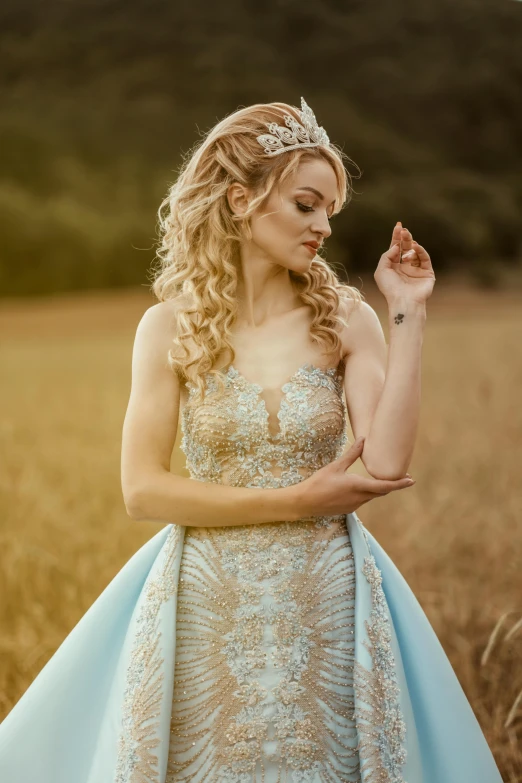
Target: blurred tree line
column 100, row 98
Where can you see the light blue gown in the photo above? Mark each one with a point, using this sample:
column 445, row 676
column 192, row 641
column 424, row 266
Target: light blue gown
column 290, row 651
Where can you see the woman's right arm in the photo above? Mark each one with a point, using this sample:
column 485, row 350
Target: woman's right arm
column 152, row 492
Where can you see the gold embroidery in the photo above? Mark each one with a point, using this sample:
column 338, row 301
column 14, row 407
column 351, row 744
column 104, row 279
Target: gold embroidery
column 380, row 722
column 265, row 621
column 227, row 440
column 137, row 760
column 265, row 647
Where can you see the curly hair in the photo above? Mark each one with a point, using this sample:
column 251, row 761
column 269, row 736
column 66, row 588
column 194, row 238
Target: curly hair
column 200, row 237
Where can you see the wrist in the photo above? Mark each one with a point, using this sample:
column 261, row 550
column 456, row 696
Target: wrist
column 402, row 310
column 294, row 502
column 402, row 304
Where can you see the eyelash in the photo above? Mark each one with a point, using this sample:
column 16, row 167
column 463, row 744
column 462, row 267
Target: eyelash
column 306, row 208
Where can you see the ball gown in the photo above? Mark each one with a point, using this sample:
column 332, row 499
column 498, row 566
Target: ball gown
column 286, row 652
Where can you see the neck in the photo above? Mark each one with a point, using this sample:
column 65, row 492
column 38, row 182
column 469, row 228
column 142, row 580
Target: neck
column 265, row 290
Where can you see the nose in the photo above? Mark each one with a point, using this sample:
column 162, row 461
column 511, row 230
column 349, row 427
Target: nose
column 322, row 225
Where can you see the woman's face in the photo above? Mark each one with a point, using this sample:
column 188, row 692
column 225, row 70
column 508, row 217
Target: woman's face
column 296, row 213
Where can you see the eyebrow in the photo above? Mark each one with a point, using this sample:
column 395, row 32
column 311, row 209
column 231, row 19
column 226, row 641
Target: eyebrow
column 313, row 190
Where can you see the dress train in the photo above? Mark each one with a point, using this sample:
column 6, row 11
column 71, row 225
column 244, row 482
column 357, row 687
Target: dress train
column 99, row 711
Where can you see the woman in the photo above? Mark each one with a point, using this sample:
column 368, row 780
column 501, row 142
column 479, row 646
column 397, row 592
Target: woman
column 263, row 634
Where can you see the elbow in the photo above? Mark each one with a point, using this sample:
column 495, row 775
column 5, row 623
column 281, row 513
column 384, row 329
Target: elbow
column 386, row 475
column 383, row 472
column 134, row 505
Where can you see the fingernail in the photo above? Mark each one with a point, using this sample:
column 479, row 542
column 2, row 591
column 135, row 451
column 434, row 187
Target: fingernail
column 410, row 482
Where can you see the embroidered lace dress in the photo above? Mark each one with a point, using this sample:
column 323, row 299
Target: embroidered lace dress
column 263, row 685
column 289, row 652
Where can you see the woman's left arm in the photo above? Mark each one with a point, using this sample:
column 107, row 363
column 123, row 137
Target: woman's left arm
column 389, row 418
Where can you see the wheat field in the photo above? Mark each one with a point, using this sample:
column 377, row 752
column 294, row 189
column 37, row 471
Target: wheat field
column 456, row 536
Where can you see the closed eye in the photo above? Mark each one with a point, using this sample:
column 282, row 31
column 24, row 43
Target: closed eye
column 306, row 208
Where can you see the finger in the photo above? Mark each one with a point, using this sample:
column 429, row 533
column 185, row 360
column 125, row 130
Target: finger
column 406, row 242
column 391, row 486
column 410, row 257
column 352, row 454
column 393, row 254
column 422, row 255
column 396, row 233
column 383, row 486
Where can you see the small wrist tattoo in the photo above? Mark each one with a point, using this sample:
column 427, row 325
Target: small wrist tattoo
column 399, row 318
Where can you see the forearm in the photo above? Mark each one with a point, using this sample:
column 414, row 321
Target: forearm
column 390, row 442
column 165, row 497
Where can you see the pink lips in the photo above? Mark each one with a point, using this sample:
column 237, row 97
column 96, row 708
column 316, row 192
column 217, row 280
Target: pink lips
column 311, row 248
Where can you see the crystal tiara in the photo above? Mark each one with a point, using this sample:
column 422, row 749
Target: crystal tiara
column 280, row 139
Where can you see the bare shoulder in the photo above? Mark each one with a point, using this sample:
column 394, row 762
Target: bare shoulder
column 158, row 324
column 362, row 330
column 160, row 317
column 154, row 339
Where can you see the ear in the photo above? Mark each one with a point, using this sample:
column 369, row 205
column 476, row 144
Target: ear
column 238, row 198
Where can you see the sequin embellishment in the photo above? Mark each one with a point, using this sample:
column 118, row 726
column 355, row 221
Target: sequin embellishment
column 380, row 723
column 263, row 688
column 264, row 666
column 137, row 758
column 227, row 440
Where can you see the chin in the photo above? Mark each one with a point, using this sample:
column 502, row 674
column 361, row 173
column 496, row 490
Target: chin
column 304, row 266
column 300, row 262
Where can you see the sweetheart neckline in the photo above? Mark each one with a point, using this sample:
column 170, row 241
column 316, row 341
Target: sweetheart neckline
column 232, row 373
column 330, row 372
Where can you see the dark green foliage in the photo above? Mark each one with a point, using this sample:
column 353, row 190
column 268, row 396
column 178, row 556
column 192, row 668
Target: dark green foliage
column 100, row 99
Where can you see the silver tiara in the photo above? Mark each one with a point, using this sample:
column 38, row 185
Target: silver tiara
column 280, row 139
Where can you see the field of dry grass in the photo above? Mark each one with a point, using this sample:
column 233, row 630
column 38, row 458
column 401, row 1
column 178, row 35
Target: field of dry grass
column 456, row 536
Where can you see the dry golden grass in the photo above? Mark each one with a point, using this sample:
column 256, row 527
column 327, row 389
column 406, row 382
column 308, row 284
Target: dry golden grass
column 456, row 536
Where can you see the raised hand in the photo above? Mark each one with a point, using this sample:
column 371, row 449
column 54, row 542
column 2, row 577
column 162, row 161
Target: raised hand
column 404, row 271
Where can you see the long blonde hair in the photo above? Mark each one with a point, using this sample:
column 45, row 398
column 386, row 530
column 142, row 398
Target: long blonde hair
column 200, row 236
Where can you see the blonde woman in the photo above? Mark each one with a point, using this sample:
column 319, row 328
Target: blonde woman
column 262, row 634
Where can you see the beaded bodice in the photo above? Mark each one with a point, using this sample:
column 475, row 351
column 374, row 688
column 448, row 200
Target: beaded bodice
column 227, row 439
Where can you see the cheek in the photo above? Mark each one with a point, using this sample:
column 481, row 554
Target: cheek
column 271, row 230
column 288, row 221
